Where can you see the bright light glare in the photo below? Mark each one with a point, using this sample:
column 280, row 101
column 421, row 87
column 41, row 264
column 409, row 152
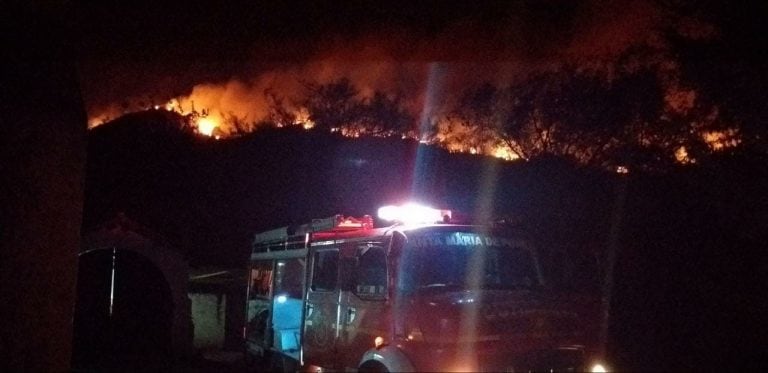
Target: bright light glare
column 281, row 298
column 461, row 369
column 412, row 213
column 206, row 126
column 598, row 368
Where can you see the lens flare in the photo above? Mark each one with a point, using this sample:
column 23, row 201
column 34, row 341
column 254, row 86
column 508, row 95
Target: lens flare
column 412, row 213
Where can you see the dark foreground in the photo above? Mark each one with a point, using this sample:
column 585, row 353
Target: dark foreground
column 212, row 361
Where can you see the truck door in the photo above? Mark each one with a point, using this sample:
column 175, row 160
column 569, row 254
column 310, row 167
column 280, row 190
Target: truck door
column 364, row 311
column 321, row 325
column 259, row 306
column 287, row 305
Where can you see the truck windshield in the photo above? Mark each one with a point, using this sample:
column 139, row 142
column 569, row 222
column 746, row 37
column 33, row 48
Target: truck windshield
column 465, row 260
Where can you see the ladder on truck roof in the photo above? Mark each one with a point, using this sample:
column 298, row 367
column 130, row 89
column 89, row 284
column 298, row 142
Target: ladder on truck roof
column 286, row 237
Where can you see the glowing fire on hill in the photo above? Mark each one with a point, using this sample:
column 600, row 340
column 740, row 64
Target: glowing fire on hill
column 206, row 126
column 431, row 112
column 614, row 88
column 454, row 136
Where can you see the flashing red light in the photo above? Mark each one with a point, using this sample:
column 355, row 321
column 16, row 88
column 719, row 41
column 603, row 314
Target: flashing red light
column 366, row 222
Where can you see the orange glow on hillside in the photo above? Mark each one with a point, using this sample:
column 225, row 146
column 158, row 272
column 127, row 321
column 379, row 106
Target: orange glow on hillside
column 505, row 153
column 206, row 126
column 427, row 77
column 720, row 140
column 452, row 135
column 681, row 155
column 302, row 118
column 278, row 98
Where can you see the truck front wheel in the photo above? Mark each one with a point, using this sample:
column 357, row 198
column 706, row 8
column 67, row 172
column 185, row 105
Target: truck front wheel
column 372, row 367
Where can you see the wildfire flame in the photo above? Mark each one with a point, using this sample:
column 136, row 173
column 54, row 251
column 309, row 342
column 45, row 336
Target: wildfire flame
column 301, row 118
column 428, row 73
column 681, row 155
column 452, row 136
column 504, row 152
column 206, row 126
column 234, row 107
column 720, row 140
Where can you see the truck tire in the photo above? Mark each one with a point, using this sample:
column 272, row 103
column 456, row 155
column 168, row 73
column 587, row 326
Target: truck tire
column 372, row 367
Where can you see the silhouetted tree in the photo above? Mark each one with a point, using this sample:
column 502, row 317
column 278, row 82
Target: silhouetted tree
column 489, row 113
column 236, row 125
column 581, row 115
column 334, row 105
column 382, row 115
column 279, row 113
column 727, row 68
column 603, row 116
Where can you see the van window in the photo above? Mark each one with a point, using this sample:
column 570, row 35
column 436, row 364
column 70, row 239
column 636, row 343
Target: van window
column 325, row 271
column 372, row 272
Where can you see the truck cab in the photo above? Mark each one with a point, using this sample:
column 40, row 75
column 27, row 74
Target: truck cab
column 340, row 294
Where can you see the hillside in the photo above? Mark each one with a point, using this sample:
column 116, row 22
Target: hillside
column 207, row 197
column 689, row 243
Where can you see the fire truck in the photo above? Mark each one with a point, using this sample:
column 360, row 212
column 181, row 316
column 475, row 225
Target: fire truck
column 422, row 294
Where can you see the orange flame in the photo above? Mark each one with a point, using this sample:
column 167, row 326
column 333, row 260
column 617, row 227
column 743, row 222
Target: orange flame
column 720, row 140
column 206, row 126
column 681, row 155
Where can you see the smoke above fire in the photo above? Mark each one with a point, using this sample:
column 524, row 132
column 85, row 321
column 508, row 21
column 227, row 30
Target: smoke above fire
column 384, row 57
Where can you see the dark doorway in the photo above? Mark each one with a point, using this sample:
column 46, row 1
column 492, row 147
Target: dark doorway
column 123, row 312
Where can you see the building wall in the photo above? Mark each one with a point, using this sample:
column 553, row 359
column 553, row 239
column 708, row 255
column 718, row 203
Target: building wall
column 42, row 158
column 173, row 266
column 209, row 319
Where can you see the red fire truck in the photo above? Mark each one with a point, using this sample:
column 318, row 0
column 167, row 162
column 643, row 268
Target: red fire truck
column 424, row 294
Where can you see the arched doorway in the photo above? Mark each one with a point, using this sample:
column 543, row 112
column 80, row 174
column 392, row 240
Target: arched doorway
column 123, row 312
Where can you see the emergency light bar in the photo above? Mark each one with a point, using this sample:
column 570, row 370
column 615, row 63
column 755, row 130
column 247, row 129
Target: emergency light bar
column 366, row 222
column 412, row 213
column 340, row 222
column 334, row 223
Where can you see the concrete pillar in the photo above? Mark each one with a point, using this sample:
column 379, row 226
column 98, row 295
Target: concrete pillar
column 42, row 158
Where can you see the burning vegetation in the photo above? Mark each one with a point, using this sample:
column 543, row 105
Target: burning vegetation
column 595, row 118
column 614, row 95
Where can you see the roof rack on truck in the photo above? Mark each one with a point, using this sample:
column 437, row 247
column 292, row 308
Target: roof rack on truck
column 294, row 236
